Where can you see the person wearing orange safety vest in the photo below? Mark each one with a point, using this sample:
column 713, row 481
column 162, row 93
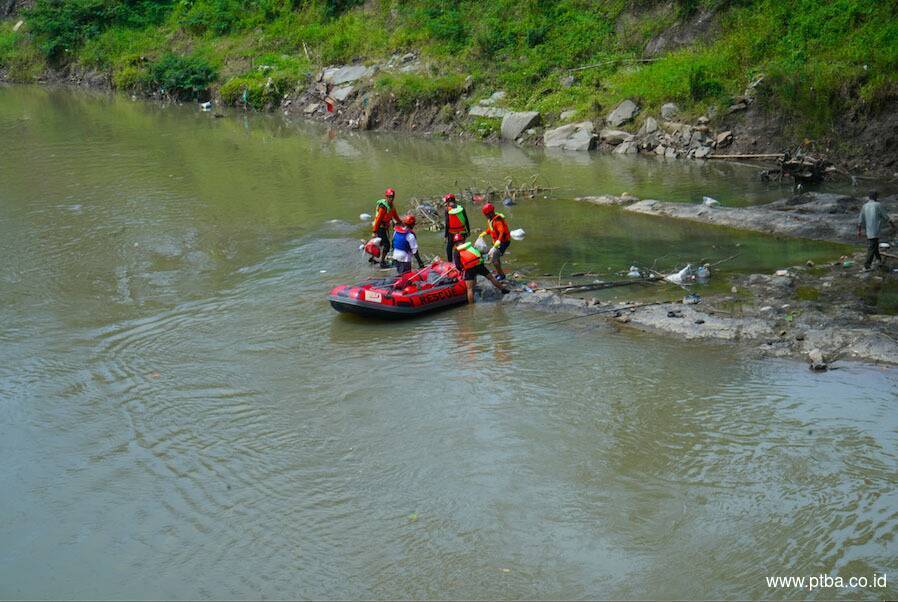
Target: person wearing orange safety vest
column 470, row 261
column 497, row 228
column 385, row 214
column 456, row 220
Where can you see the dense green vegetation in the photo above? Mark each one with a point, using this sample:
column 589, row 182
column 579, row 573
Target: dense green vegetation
column 819, row 57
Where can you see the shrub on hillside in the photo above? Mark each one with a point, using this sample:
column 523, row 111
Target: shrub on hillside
column 182, row 77
column 61, row 26
column 409, row 89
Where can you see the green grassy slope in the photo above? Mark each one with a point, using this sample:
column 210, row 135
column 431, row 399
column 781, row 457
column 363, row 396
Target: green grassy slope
column 820, row 58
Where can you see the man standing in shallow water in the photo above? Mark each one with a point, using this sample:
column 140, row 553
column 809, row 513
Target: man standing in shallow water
column 872, row 219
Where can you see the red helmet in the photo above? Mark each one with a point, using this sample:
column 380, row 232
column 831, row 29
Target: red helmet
column 409, row 220
column 449, row 198
column 488, row 209
column 458, row 237
column 390, row 192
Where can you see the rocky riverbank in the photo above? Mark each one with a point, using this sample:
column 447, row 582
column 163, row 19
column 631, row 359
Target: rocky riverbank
column 347, row 96
column 818, row 216
column 820, row 313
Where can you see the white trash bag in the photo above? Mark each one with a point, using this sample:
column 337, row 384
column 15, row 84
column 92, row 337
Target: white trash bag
column 518, row 234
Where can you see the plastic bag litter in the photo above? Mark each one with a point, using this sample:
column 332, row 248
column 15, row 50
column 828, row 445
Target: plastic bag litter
column 206, row 106
column 884, row 245
column 709, row 202
column 508, row 201
column 681, row 276
column 481, row 245
column 372, row 247
column 692, row 299
column 634, row 272
column 518, row 234
column 364, row 217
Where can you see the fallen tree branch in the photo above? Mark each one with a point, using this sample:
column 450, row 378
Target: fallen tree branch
column 570, row 288
column 758, row 156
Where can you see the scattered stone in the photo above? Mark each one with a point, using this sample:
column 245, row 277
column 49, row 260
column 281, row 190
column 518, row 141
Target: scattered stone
column 341, row 93
column 624, row 112
column 568, row 115
column 614, row 137
column 567, row 81
column 493, row 112
column 739, row 106
column 514, row 124
column 660, row 150
column 626, row 148
column 311, row 108
column 703, row 120
column 809, row 263
column 493, row 99
column 781, row 273
column 649, row 126
column 723, row 139
column 671, row 153
column 669, row 111
column 702, row 152
column 348, row 73
column 573, row 136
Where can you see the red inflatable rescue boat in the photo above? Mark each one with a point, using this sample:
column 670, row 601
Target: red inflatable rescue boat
column 436, row 286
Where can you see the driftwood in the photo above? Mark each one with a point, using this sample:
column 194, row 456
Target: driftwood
column 596, row 286
column 430, row 209
column 736, row 157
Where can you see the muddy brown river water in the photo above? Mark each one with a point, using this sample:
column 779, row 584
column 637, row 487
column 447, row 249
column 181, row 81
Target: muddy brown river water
column 182, row 415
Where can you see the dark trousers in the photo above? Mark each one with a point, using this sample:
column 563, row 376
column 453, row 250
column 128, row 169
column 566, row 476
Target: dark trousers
column 872, row 252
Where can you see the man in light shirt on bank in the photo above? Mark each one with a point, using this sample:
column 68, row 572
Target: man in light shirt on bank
column 873, row 219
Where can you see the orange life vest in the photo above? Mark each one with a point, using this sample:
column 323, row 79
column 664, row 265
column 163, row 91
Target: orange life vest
column 469, row 256
column 458, row 221
column 498, row 229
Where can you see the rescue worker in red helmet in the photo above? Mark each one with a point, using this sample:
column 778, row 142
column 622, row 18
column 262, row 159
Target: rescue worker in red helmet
column 497, row 228
column 456, row 220
column 405, row 245
column 470, row 261
column 385, row 214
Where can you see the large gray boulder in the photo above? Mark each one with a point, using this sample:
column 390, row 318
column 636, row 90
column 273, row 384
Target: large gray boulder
column 342, row 93
column 624, row 112
column 494, row 112
column 615, row 137
column 669, row 111
column 649, row 127
column 347, row 73
column 573, row 136
column 626, row 148
column 514, row 124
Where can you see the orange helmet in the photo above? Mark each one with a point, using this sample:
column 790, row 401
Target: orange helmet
column 409, row 220
column 488, row 209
